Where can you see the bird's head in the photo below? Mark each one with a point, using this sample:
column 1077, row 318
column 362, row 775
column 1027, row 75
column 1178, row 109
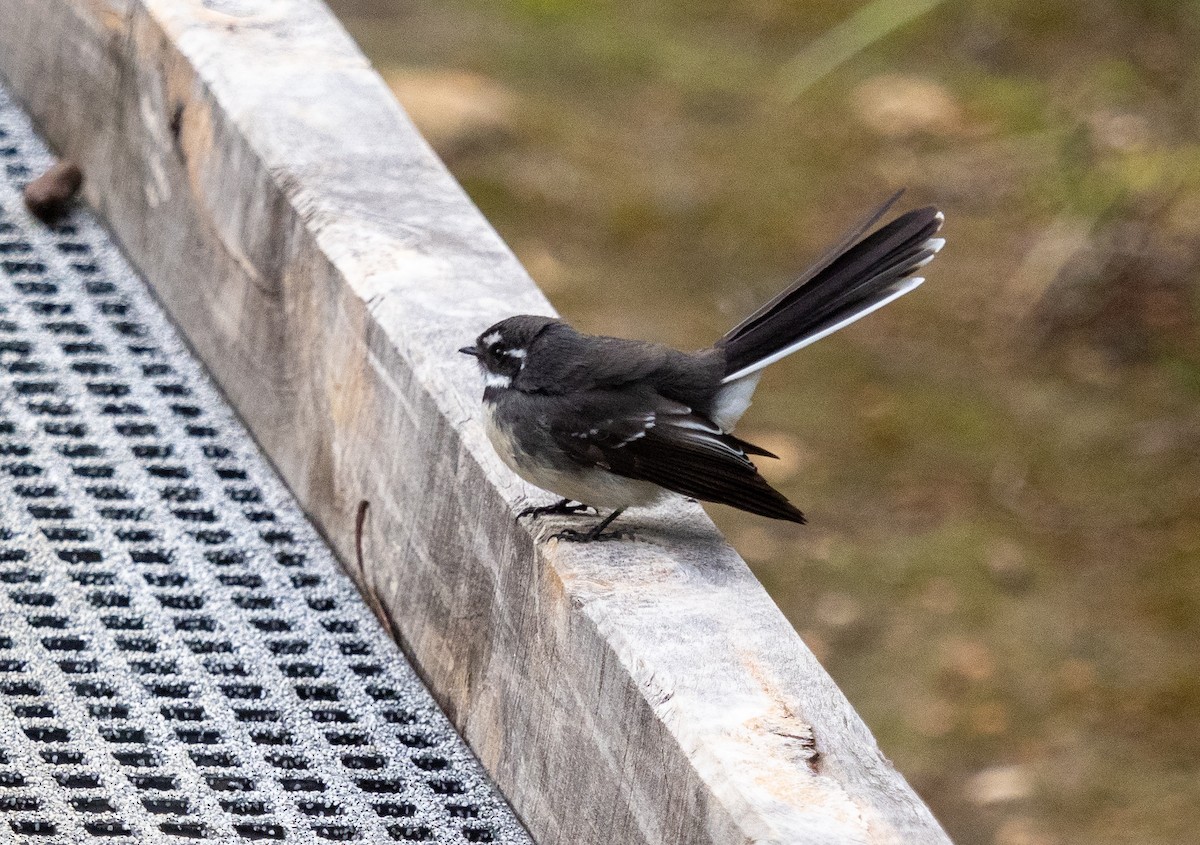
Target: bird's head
column 502, row 350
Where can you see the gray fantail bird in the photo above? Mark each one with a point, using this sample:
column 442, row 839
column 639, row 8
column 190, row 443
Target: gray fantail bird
column 611, row 423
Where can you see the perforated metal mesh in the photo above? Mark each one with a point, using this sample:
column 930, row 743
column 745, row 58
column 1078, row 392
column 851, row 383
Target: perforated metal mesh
column 180, row 657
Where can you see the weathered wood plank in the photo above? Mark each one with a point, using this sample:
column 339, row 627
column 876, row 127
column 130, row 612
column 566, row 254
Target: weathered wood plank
column 325, row 266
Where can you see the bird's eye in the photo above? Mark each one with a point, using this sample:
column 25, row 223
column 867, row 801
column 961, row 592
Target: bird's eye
column 496, row 349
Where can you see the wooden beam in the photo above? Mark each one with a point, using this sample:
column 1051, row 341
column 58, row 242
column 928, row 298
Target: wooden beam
column 326, row 267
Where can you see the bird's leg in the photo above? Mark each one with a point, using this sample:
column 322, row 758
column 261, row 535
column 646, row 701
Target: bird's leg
column 595, row 534
column 563, row 507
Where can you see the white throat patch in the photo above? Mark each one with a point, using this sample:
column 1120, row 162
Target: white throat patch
column 496, row 380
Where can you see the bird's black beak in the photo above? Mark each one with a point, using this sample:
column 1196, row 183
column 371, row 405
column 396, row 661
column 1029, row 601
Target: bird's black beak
column 470, row 350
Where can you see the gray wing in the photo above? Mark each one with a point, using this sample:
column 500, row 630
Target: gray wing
column 640, row 435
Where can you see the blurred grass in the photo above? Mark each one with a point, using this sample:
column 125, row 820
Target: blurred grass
column 868, row 25
column 1001, row 567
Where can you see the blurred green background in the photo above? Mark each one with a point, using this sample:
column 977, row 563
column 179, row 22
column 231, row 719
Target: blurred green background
column 1002, row 471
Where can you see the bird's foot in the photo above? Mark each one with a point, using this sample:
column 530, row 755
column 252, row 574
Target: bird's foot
column 563, row 507
column 597, row 532
column 570, row 535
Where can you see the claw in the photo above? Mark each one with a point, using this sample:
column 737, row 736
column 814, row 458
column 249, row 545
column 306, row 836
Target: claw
column 570, row 535
column 597, row 533
column 560, row 508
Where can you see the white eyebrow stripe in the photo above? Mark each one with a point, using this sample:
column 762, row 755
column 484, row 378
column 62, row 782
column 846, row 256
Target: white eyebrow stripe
column 489, row 339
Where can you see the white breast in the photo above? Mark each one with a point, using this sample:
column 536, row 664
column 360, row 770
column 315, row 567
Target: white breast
column 501, row 439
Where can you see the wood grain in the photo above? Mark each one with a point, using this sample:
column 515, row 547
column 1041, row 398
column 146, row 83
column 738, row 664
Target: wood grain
column 326, row 267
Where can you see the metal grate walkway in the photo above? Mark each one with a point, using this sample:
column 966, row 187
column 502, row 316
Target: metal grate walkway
column 180, row 656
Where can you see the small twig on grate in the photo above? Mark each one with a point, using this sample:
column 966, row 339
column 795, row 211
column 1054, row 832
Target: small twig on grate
column 368, row 589
column 360, row 519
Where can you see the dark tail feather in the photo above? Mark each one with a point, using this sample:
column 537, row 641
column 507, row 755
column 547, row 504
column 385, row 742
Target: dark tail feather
column 850, row 281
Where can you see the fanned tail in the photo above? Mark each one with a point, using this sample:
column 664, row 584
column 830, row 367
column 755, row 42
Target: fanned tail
column 856, row 277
